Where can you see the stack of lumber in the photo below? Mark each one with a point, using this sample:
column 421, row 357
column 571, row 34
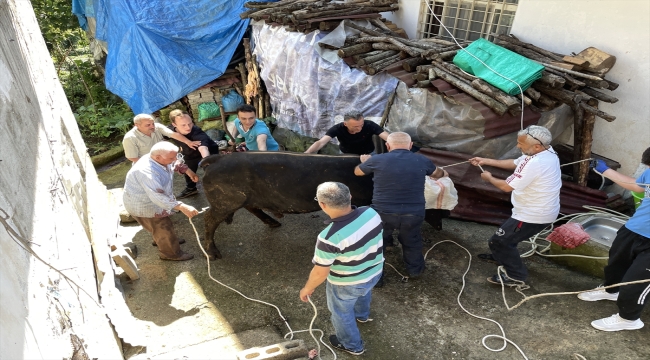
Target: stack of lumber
column 310, row 15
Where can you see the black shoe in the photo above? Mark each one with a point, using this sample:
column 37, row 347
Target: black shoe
column 187, row 193
column 488, row 258
column 494, row 279
column 337, row 345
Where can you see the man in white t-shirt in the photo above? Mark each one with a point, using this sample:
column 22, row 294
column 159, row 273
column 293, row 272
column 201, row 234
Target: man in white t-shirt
column 535, row 187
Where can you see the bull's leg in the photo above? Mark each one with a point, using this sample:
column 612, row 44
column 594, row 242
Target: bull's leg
column 271, row 222
column 212, row 220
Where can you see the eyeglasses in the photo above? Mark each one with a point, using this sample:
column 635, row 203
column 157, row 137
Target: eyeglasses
column 316, row 198
column 540, row 141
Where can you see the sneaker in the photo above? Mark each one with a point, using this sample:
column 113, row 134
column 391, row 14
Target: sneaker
column 616, row 323
column 337, row 345
column 187, row 193
column 364, row 321
column 494, row 279
column 597, row 294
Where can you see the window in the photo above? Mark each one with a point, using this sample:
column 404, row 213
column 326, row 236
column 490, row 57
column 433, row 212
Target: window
column 467, row 19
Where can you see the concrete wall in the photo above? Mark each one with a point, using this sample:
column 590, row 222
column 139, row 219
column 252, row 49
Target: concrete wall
column 45, row 177
column 621, row 28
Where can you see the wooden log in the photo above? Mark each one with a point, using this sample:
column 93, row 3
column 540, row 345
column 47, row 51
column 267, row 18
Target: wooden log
column 563, row 95
column 455, row 70
column 571, row 72
column 341, row 9
column 385, row 46
column 380, row 24
column 328, row 25
column 547, row 101
column 404, row 41
column 566, row 66
column 420, row 77
column 532, row 47
column 358, row 57
column 354, row 50
column 386, row 39
column 587, row 140
column 578, row 120
column 597, row 84
column 412, row 64
column 532, row 93
column 432, row 74
column 423, row 68
column 447, row 54
column 242, row 73
column 594, row 111
column 389, row 104
column 510, row 101
column 375, row 67
column 552, row 80
column 496, row 106
column 381, row 56
column 527, row 100
column 525, row 52
column 611, row 85
column 598, row 95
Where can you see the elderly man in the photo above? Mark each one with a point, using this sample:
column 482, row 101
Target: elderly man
column 255, row 132
column 145, row 133
column 354, row 135
column 349, row 256
column 535, row 187
column 398, row 195
column 182, row 123
column 629, row 257
column 149, row 199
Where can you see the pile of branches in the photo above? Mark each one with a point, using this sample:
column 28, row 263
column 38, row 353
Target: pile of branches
column 309, row 15
column 374, row 50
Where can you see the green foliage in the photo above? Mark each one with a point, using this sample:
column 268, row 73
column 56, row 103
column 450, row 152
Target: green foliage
column 102, row 116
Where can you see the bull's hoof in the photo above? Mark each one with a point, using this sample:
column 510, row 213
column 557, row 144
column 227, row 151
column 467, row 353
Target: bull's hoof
column 274, row 225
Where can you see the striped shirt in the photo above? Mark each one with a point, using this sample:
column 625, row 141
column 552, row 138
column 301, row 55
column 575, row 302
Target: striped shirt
column 148, row 189
column 352, row 246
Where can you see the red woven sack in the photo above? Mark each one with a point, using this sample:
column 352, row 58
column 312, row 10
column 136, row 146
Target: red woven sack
column 569, row 235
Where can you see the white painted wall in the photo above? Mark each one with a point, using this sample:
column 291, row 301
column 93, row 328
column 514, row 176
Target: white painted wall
column 406, row 17
column 620, row 28
column 45, row 180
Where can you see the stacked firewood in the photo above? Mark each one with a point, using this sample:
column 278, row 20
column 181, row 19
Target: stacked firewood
column 309, row 15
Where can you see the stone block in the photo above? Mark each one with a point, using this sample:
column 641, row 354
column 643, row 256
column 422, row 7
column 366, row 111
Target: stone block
column 288, row 350
column 126, row 262
column 592, row 267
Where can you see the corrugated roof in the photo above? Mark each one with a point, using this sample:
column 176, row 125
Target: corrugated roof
column 482, row 202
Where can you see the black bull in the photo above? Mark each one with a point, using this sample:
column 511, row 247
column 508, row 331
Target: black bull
column 277, row 182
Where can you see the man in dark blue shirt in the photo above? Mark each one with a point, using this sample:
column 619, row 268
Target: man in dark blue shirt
column 182, row 123
column 398, row 195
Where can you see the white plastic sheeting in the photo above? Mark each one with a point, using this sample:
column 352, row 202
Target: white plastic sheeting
column 307, row 92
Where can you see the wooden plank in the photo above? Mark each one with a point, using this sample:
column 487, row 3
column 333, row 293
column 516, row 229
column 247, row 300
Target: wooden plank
column 576, row 61
column 123, row 260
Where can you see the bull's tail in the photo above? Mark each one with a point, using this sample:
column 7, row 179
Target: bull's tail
column 205, row 162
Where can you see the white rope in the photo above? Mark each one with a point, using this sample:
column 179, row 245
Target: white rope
column 291, row 332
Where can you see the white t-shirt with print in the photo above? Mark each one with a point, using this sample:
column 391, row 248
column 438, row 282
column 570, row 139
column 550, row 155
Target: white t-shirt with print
column 536, row 183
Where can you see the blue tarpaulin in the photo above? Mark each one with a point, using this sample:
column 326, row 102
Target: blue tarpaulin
column 159, row 51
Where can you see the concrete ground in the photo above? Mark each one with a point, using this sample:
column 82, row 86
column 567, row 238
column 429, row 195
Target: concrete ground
column 196, row 318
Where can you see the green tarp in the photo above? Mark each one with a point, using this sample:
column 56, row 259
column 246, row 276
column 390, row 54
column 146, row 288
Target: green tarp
column 509, row 64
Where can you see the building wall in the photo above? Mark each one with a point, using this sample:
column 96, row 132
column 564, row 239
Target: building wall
column 621, row 28
column 45, row 180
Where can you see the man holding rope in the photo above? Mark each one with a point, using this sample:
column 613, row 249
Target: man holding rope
column 629, row 258
column 535, row 187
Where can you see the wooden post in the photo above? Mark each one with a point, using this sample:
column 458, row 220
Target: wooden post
column 578, row 121
column 587, row 140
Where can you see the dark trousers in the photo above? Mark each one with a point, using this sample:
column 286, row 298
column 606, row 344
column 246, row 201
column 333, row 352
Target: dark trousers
column 504, row 246
column 162, row 230
column 193, row 164
column 410, row 236
column 629, row 260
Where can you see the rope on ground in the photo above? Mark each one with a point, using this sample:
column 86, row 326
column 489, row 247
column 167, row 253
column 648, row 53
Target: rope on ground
column 291, row 332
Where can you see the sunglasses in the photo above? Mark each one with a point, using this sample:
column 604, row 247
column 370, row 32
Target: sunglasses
column 540, row 141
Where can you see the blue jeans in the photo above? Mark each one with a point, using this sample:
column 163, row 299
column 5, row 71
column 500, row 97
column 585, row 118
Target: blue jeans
column 348, row 303
column 410, row 236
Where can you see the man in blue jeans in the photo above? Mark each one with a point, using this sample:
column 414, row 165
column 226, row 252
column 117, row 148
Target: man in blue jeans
column 349, row 256
column 398, row 195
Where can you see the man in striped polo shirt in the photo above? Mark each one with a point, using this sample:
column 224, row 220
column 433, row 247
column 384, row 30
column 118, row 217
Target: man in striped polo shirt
column 349, row 256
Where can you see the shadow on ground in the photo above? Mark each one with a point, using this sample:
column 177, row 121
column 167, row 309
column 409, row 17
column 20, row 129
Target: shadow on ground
column 198, row 318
